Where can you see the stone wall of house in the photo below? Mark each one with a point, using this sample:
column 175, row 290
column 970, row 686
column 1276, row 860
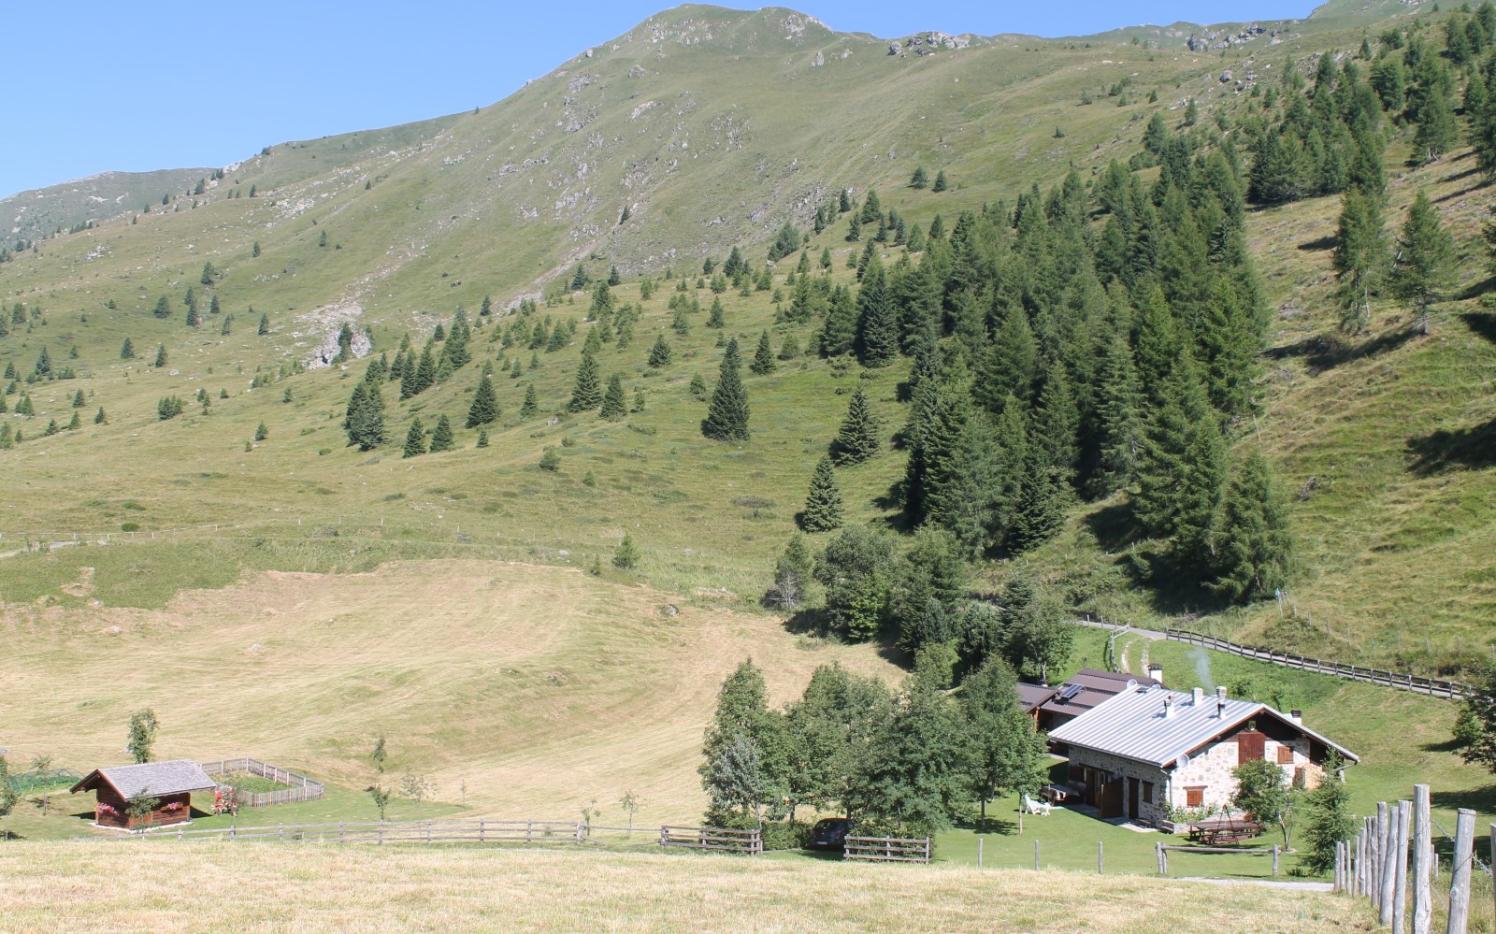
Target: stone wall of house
column 1127, row 768
column 1211, row 769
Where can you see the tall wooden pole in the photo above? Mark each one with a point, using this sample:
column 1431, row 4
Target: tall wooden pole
column 1459, row 875
column 1400, row 889
column 1423, row 894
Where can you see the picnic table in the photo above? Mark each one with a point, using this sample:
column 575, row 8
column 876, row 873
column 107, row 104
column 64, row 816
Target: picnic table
column 1224, row 830
column 1056, row 794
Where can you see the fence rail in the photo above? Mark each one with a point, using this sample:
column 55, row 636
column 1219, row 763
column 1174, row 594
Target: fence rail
column 300, row 788
column 723, row 839
column 1162, row 851
column 382, row 832
column 887, row 849
column 1433, row 687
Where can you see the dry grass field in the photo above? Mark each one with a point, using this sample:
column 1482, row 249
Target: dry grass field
column 515, row 688
column 242, row 887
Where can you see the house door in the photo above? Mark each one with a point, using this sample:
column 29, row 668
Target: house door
column 1132, row 798
column 1111, row 799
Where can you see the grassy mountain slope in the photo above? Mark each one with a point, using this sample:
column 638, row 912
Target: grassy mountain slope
column 713, row 127
column 42, row 212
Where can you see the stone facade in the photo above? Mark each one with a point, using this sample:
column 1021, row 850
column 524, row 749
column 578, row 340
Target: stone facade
column 1209, row 769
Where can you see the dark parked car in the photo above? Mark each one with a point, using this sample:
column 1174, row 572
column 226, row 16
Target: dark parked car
column 830, row 833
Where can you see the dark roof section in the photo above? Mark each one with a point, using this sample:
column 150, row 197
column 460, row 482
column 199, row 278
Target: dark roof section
column 1089, row 687
column 153, row 778
column 1033, row 695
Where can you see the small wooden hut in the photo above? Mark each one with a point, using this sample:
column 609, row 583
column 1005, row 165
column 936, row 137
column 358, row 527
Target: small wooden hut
column 168, row 785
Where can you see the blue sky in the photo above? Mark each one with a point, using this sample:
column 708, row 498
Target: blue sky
column 162, row 83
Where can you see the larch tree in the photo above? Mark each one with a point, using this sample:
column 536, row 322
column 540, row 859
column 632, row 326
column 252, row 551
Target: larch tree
column 1253, row 547
column 1424, row 265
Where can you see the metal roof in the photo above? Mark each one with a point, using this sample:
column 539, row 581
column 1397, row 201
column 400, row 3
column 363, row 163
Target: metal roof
column 1132, row 725
column 155, row 778
column 1032, row 695
column 1088, row 688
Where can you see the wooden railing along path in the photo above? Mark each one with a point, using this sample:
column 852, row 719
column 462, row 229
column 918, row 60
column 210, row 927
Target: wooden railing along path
column 1433, row 687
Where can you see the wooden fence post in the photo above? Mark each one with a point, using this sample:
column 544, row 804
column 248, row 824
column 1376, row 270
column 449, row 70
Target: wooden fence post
column 1423, row 894
column 1493, row 860
column 1275, row 860
column 1459, row 875
column 980, row 841
column 1384, row 878
column 1389, row 868
column 1036, row 854
column 1101, row 857
column 1400, row 888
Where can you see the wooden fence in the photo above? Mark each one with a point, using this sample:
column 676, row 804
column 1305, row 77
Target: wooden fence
column 1162, row 851
column 300, row 787
column 1433, row 687
column 1392, row 861
column 748, row 842
column 382, row 832
column 887, row 849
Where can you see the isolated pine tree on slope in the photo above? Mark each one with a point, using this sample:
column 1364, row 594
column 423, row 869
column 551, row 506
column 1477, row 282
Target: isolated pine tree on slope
column 727, row 414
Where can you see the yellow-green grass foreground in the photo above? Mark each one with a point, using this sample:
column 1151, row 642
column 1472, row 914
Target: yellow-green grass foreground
column 243, row 887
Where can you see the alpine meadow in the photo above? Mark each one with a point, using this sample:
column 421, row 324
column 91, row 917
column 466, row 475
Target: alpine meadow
column 750, row 432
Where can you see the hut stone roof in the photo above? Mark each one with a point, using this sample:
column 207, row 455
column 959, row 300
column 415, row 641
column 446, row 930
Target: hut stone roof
column 154, row 778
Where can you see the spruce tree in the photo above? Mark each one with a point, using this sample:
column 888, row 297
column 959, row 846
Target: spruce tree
column 613, row 407
column 441, row 437
column 1425, row 259
column 727, row 415
column 530, row 406
column 860, row 434
column 839, row 332
column 940, row 185
column 264, row 327
column 415, row 439
column 160, row 355
column 763, row 359
column 587, row 392
column 1253, row 547
column 715, row 318
column 127, row 350
column 485, row 407
column 163, row 307
column 823, row 505
column 877, row 320
column 425, row 373
column 919, row 180
column 99, row 417
column 660, row 354
column 365, row 417
column 1056, row 423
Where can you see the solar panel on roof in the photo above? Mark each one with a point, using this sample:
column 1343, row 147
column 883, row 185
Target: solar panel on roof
column 1069, row 691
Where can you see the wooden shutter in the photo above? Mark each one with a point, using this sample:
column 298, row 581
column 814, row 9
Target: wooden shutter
column 1285, row 755
column 1250, row 746
column 1195, row 796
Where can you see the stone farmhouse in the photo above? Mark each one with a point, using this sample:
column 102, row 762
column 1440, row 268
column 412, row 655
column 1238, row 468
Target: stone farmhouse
column 1150, row 754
